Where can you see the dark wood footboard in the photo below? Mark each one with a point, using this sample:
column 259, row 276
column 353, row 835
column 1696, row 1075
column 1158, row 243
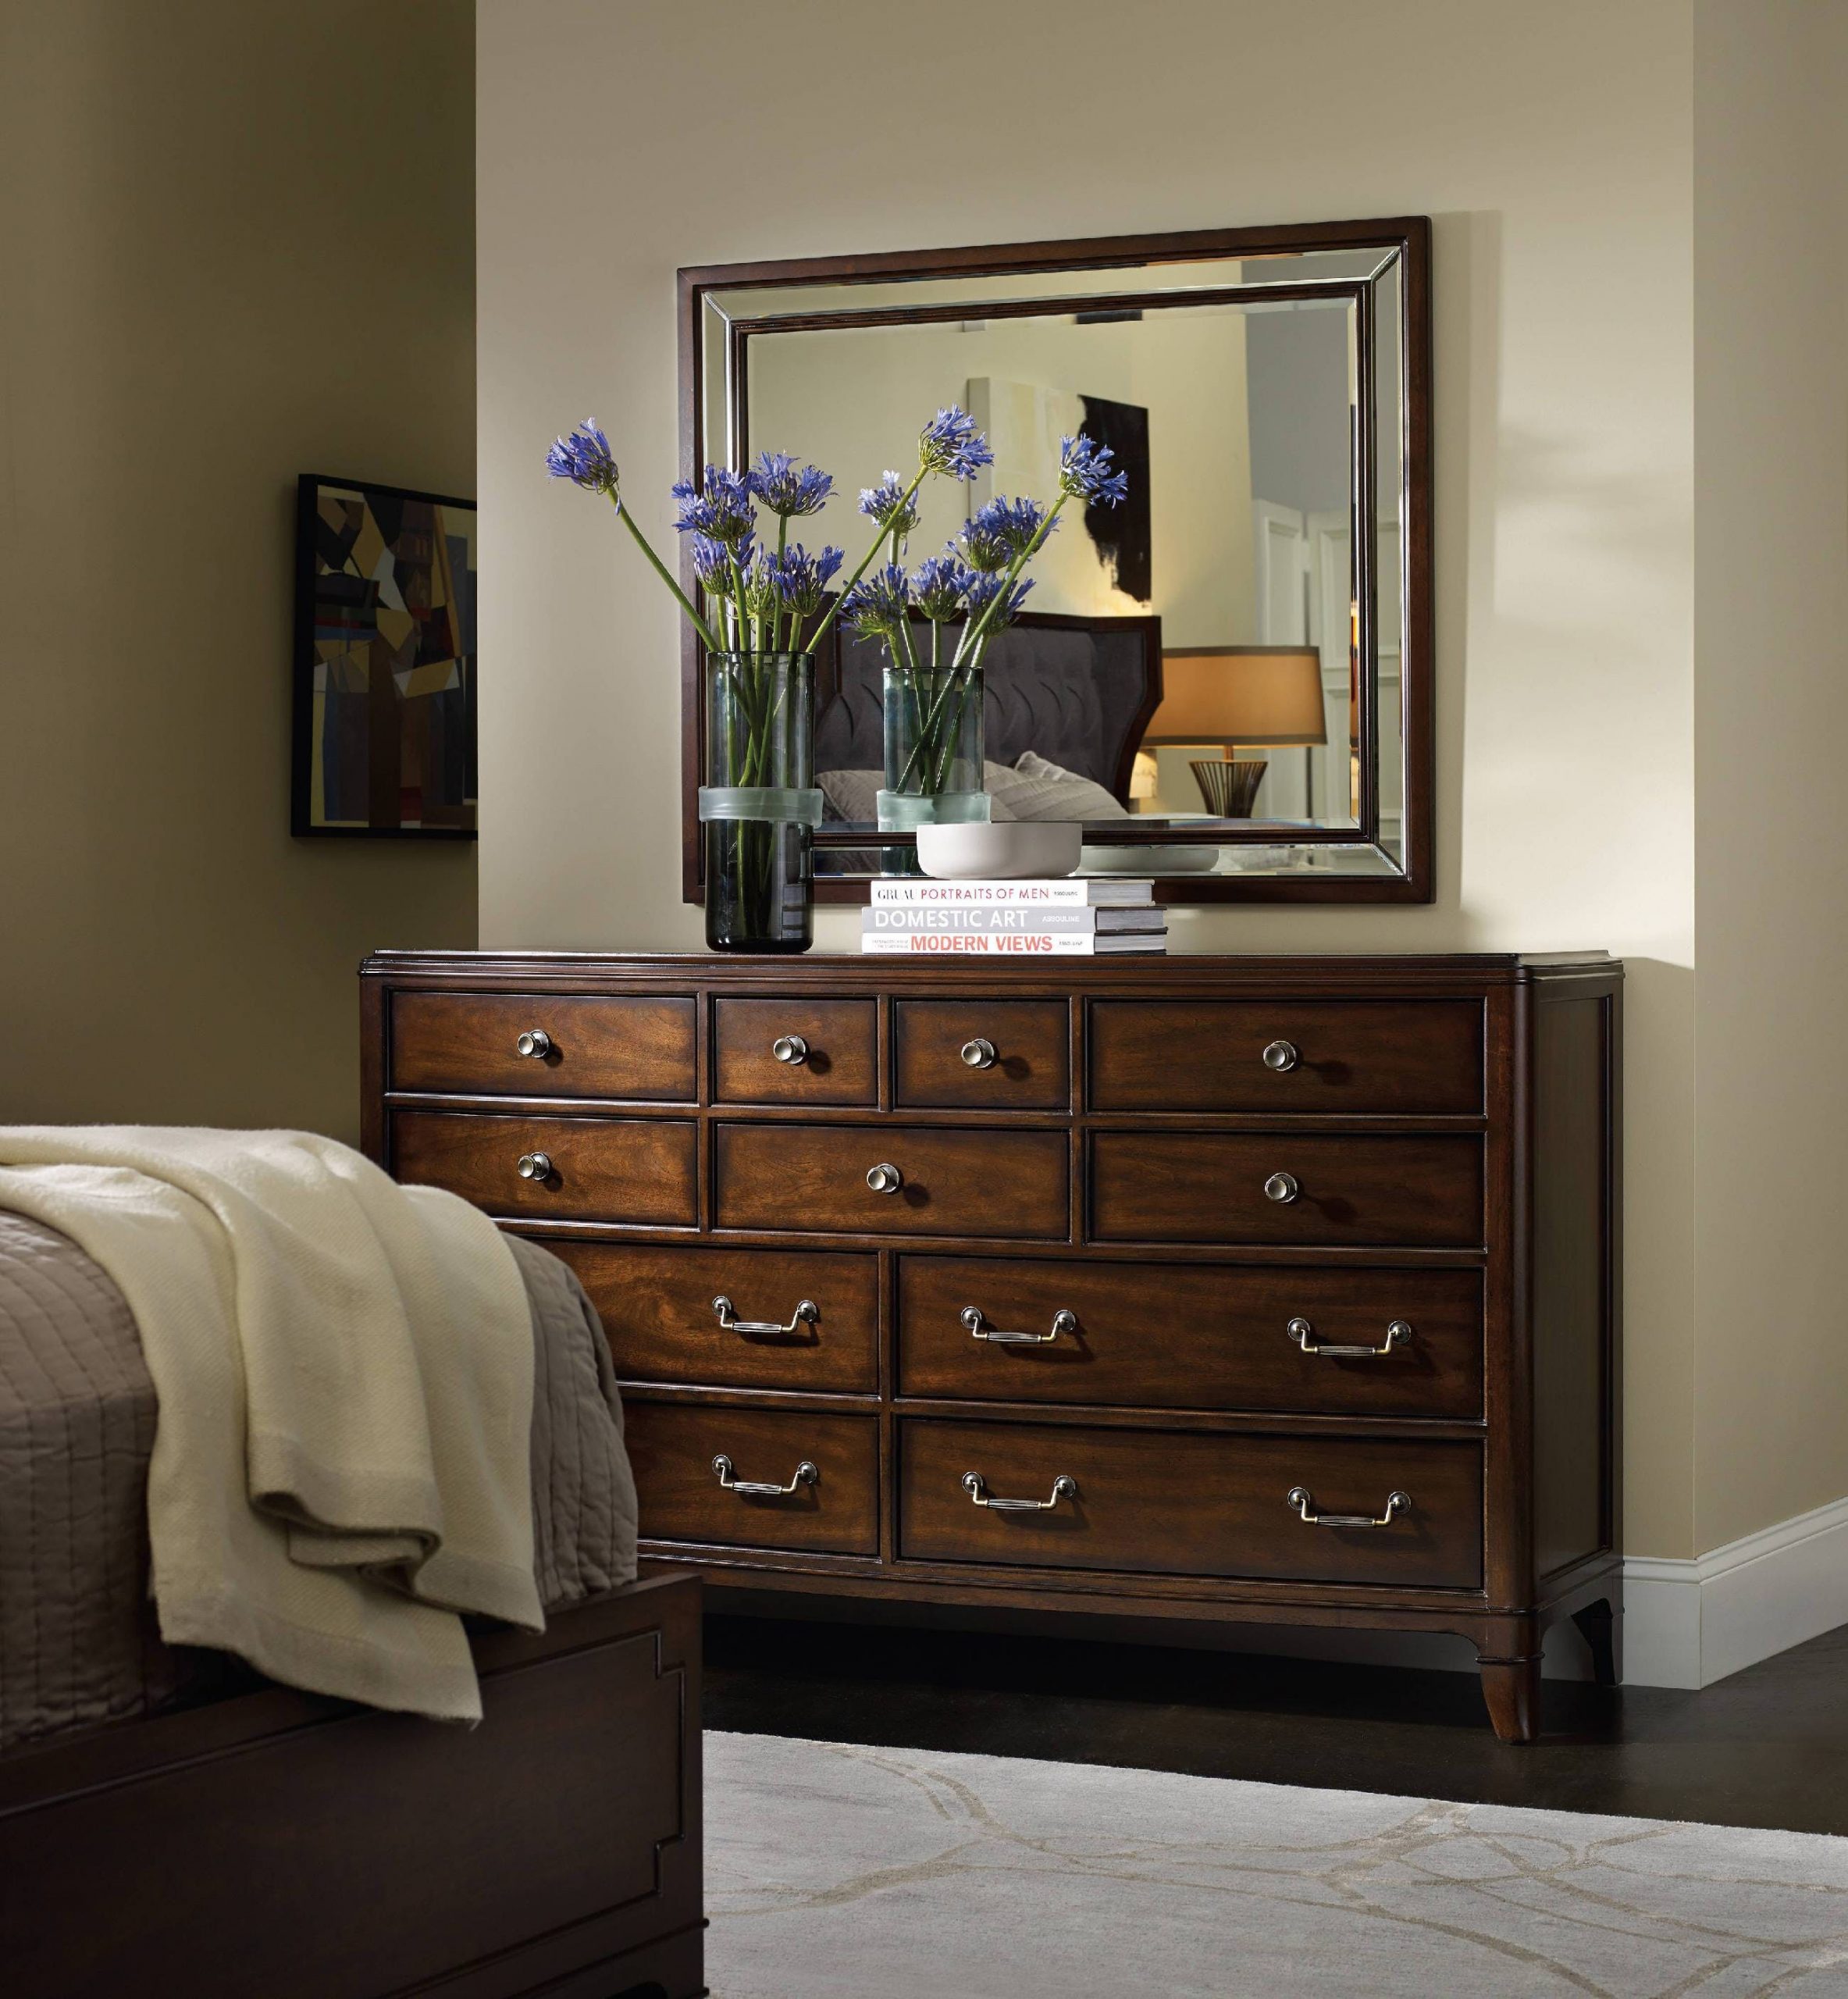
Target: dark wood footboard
column 301, row 1848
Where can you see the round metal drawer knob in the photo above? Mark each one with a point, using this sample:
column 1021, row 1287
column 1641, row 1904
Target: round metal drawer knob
column 978, row 1054
column 535, row 1166
column 536, row 1042
column 1281, row 1056
column 790, row 1048
column 885, row 1178
column 1282, row 1187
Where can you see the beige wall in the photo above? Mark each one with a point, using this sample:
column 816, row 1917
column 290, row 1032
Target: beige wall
column 1770, row 390
column 237, row 244
column 1552, row 146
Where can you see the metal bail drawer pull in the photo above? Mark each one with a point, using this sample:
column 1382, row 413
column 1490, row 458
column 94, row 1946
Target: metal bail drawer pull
column 1062, row 1322
column 1304, row 1501
column 1398, row 1333
column 1062, row 1488
column 805, row 1313
column 755, row 1488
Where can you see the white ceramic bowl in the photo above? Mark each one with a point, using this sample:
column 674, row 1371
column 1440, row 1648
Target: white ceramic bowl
column 980, row 850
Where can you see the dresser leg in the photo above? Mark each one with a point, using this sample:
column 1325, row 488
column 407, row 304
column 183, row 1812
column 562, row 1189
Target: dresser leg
column 1512, row 1690
column 1598, row 1627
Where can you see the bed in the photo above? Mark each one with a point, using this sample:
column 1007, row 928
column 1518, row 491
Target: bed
column 170, row 1821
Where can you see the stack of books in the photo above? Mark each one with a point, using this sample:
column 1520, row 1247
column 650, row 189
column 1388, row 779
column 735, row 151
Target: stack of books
column 1062, row 918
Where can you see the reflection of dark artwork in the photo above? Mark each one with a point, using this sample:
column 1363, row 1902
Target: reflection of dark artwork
column 385, row 662
column 1122, row 533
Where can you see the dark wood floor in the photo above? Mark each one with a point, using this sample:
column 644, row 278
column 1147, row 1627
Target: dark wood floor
column 1768, row 1746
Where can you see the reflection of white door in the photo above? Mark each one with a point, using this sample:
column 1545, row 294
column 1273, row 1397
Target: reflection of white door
column 1283, row 571
column 1331, row 567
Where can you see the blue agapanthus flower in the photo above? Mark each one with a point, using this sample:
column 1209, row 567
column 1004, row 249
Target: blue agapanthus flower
column 1002, row 531
column 723, row 510
column 787, row 490
column 876, row 605
column 886, row 504
column 713, row 561
column 986, row 590
column 584, row 458
column 1020, row 520
column 1084, row 472
column 950, row 442
column 799, row 580
column 938, row 586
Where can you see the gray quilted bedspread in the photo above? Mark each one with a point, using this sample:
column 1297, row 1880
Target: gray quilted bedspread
column 78, row 1641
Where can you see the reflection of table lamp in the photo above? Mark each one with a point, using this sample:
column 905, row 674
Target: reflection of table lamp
column 1253, row 697
column 1144, row 777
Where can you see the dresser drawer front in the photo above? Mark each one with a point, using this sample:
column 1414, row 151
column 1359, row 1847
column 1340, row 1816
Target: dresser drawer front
column 672, row 1447
column 1363, row 1056
column 812, row 1177
column 982, row 1055
column 602, row 1169
column 828, row 1051
column 1172, row 1502
column 1209, row 1187
column 1192, row 1336
column 469, row 1045
column 657, row 1303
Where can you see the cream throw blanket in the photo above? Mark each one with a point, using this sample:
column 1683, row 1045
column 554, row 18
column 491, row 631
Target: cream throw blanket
column 344, row 1371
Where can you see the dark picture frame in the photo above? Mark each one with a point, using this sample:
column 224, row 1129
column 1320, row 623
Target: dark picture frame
column 384, row 694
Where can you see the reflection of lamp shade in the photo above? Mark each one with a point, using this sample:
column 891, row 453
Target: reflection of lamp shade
column 1145, row 778
column 1262, row 695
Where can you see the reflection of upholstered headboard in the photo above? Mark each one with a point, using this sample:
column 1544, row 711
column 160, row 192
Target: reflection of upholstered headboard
column 1079, row 690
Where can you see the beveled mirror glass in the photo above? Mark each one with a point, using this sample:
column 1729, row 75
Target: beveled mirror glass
column 1228, row 678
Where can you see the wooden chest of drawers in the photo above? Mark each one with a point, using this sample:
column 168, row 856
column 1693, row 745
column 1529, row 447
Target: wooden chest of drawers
column 1206, row 1289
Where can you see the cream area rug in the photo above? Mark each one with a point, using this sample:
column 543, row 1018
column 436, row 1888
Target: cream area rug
column 841, row 1873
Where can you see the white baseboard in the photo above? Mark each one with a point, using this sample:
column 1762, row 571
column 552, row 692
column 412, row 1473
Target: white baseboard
column 1689, row 1623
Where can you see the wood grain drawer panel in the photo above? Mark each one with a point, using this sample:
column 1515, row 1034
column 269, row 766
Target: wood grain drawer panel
column 1173, row 1503
column 1031, row 1069
column 813, row 1176
column 466, row 1044
column 1209, row 1187
column 603, row 1169
column 672, row 1445
column 840, row 1065
column 1193, row 1336
column 655, row 1301
column 1362, row 1055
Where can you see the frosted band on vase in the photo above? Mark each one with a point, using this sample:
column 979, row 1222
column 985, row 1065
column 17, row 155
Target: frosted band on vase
column 904, row 811
column 754, row 801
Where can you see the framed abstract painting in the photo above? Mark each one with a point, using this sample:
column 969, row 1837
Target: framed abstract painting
column 385, row 662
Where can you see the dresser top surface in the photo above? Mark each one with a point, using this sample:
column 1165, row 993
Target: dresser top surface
column 1175, row 972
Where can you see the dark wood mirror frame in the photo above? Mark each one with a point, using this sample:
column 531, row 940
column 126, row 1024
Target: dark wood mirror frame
column 1411, row 237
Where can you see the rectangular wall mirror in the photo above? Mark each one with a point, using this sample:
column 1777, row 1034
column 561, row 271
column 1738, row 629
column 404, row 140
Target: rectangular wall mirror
column 1229, row 678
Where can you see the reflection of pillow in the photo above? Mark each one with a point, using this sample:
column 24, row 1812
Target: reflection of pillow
column 853, row 796
column 1035, row 789
column 848, row 794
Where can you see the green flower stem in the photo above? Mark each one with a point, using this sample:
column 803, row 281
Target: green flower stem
column 699, row 624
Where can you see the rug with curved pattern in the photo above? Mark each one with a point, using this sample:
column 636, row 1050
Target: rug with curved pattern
column 835, row 1870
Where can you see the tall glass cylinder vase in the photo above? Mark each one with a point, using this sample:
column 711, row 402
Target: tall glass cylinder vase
column 759, row 803
column 933, row 718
